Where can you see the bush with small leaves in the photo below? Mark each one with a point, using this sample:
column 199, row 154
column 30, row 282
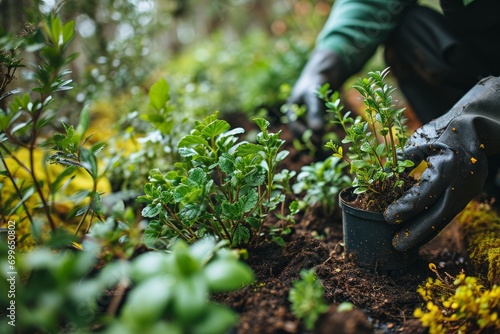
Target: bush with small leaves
column 373, row 140
column 223, row 187
column 322, row 182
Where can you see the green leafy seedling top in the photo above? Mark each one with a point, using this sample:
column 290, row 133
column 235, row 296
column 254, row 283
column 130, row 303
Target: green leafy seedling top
column 373, row 140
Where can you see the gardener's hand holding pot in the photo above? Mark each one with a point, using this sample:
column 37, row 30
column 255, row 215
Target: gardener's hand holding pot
column 455, row 147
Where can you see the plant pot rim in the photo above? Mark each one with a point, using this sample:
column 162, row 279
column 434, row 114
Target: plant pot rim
column 344, row 204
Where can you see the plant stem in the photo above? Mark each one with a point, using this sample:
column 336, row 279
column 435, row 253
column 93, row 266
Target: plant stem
column 18, row 191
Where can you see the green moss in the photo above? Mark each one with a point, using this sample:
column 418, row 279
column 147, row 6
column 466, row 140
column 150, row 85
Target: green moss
column 480, row 225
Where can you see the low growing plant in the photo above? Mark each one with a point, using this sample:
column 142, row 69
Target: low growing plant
column 322, row 182
column 458, row 304
column 156, row 292
column 374, row 142
column 306, row 297
column 223, row 187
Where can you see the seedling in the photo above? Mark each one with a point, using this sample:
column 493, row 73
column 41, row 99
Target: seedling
column 322, row 182
column 306, row 297
column 376, row 142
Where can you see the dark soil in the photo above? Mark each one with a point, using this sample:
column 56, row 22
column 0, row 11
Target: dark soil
column 384, row 303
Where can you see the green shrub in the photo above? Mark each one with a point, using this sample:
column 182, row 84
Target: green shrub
column 223, row 187
column 322, row 182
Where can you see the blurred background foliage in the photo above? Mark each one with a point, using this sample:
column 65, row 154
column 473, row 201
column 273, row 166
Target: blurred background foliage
column 226, row 55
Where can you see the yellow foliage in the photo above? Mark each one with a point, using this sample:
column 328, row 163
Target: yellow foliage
column 60, row 201
column 458, row 305
column 481, row 227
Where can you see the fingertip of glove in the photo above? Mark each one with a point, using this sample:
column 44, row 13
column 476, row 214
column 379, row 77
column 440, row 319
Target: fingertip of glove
column 402, row 242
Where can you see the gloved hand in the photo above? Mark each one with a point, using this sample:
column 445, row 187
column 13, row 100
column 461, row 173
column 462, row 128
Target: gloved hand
column 455, row 147
column 323, row 66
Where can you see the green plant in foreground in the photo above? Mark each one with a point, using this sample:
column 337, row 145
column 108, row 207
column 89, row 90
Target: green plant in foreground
column 322, row 182
column 459, row 305
column 306, row 297
column 223, row 187
column 170, row 291
column 159, row 292
column 373, row 140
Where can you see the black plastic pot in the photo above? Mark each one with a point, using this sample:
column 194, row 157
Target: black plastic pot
column 368, row 238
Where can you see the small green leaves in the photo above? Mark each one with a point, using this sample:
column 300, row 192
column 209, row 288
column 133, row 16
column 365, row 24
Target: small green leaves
column 307, row 299
column 159, row 94
column 223, row 188
column 374, row 139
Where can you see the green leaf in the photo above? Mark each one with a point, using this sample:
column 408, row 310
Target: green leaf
column 226, row 275
column 215, row 128
column 192, row 140
column 83, row 124
column 190, row 298
column 68, row 31
column 89, row 162
column 151, row 210
column 197, row 177
column 216, row 319
column 190, row 212
column 249, row 200
column 146, row 303
column 262, row 124
column 56, row 185
column 248, row 149
column 152, row 233
column 159, row 94
column 226, row 163
column 241, row 235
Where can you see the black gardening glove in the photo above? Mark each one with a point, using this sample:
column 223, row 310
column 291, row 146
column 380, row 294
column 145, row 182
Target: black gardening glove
column 455, row 147
column 324, row 66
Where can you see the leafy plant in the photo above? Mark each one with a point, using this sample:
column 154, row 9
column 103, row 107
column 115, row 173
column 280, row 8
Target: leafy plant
column 321, row 182
column 306, row 297
column 171, row 290
column 458, row 304
column 223, row 187
column 374, row 141
column 36, row 191
column 68, row 291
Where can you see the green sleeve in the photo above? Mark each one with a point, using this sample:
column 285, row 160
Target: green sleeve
column 355, row 29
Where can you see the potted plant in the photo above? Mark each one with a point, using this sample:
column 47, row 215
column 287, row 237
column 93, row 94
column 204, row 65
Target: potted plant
column 377, row 162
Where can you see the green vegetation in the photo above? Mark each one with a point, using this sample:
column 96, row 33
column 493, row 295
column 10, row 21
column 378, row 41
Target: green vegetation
column 63, row 291
column 322, row 181
column 373, row 162
column 223, row 187
column 306, row 297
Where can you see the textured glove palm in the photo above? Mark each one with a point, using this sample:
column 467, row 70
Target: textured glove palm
column 455, row 147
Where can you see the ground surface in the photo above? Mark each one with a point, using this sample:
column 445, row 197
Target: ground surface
column 384, row 303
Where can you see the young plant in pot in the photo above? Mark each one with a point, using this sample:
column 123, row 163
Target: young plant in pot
column 377, row 162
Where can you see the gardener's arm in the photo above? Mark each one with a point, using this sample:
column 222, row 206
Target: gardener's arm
column 349, row 38
column 456, row 147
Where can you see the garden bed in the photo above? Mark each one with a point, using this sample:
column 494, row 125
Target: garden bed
column 384, row 303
